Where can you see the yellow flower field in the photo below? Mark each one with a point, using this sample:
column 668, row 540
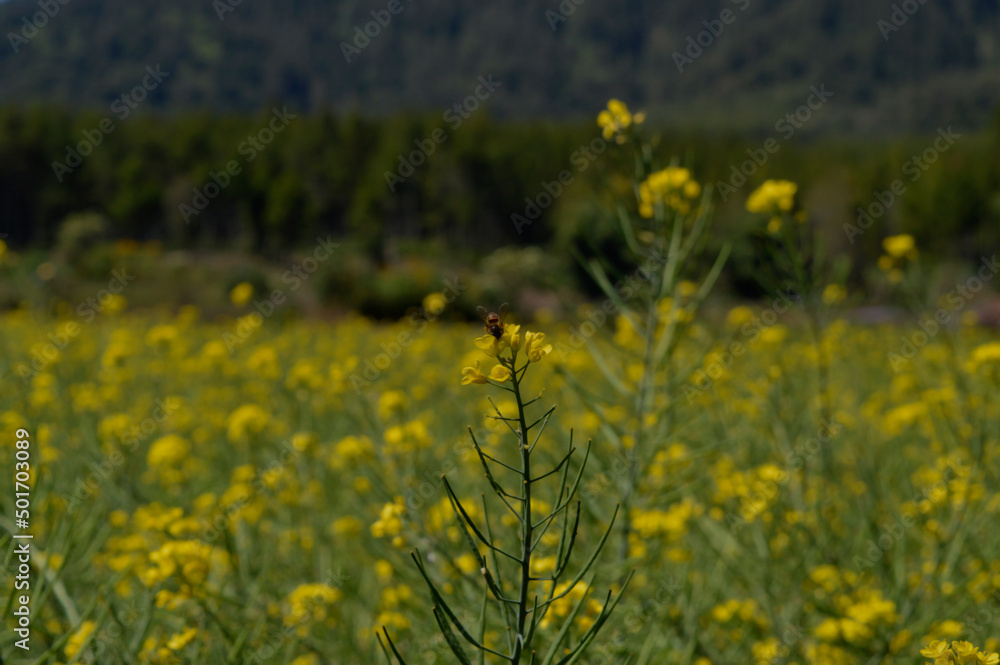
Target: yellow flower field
column 192, row 503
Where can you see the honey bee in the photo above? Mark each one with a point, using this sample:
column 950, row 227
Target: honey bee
column 494, row 320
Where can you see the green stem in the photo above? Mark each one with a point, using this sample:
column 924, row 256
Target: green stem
column 526, row 521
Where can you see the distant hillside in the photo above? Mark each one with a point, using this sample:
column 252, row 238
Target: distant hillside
column 941, row 66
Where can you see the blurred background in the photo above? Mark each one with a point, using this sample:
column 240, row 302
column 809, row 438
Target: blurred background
column 202, row 145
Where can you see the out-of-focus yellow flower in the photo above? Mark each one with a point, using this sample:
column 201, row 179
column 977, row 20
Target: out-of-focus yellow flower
column 241, row 294
column 309, row 604
column 350, row 450
column 78, row 639
column 565, row 599
column 983, row 355
column 189, row 563
column 833, row 294
column 772, row 197
column 178, row 641
column 168, row 451
column 389, row 522
column 738, row 316
column 46, row 271
column 246, row 421
column 383, row 570
column 901, row 246
column 614, row 120
column 899, row 250
column 391, row 403
column 346, row 527
column 671, row 187
column 434, row 303
column 114, row 304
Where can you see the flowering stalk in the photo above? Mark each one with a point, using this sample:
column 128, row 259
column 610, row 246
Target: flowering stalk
column 527, row 610
column 800, row 264
column 665, row 241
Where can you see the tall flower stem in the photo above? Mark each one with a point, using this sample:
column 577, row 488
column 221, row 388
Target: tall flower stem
column 526, row 529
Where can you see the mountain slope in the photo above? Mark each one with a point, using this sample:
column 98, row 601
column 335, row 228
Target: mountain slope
column 941, row 66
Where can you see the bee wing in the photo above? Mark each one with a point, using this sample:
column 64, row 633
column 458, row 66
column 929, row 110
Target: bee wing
column 503, row 311
column 482, row 312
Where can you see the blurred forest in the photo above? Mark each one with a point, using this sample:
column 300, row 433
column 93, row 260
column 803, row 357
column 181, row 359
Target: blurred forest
column 327, row 174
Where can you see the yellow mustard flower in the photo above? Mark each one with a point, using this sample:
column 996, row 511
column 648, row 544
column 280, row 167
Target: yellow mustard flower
column 309, row 604
column 241, row 294
column 246, row 421
column 773, row 196
column 168, row 451
column 473, row 374
column 78, row 639
column 492, row 346
column 671, row 187
column 535, row 346
column 614, row 120
column 390, row 522
column 901, row 246
column 178, row 641
column 833, row 294
column 500, row 373
column 434, row 303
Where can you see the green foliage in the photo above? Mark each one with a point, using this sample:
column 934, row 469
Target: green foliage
column 327, row 175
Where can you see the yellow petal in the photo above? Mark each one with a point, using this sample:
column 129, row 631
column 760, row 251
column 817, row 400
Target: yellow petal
column 500, row 373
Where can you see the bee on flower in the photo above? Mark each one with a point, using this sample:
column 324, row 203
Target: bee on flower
column 500, row 339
